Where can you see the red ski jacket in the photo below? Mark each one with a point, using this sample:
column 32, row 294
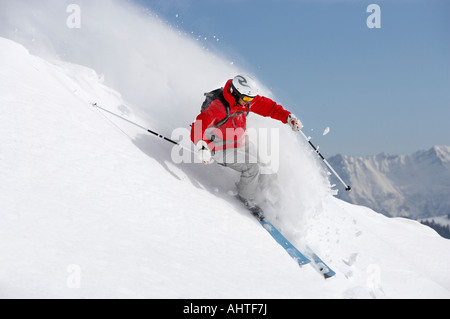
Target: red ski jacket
column 231, row 134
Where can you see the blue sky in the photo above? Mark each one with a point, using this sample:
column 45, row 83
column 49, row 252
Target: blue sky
column 379, row 90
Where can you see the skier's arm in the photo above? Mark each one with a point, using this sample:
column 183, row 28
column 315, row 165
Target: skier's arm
column 199, row 127
column 208, row 118
column 266, row 107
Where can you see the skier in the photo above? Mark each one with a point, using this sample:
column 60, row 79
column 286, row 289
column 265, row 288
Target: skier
column 219, row 132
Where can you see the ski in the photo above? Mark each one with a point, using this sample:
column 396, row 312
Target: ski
column 279, row 238
column 319, row 265
column 302, row 259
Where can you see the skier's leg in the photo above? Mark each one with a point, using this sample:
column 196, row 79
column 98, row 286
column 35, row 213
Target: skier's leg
column 248, row 183
column 245, row 161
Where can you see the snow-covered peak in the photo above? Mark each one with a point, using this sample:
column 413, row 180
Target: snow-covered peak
column 439, row 154
column 414, row 185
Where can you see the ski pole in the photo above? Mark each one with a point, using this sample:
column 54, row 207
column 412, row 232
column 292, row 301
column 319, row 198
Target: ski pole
column 347, row 187
column 142, row 127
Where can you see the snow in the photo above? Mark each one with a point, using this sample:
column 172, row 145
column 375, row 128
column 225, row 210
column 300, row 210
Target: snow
column 93, row 207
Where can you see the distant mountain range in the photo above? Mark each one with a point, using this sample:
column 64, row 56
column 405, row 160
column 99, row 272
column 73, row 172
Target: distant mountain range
column 414, row 186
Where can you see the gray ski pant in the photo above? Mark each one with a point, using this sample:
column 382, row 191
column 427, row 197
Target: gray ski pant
column 244, row 160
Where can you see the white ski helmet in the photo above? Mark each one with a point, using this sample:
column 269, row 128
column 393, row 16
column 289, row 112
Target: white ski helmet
column 244, row 86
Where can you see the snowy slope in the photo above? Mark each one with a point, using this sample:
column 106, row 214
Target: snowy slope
column 90, row 201
column 417, row 185
column 79, row 192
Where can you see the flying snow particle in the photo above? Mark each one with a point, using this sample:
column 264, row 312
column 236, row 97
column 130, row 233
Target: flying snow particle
column 326, row 131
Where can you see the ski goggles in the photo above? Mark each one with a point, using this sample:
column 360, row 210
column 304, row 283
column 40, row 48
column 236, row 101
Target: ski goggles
column 247, row 99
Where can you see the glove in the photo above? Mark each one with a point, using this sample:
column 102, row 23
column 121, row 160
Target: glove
column 204, row 154
column 294, row 123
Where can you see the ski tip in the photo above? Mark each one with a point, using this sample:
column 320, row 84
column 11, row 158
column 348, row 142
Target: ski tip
column 324, row 270
column 329, row 275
